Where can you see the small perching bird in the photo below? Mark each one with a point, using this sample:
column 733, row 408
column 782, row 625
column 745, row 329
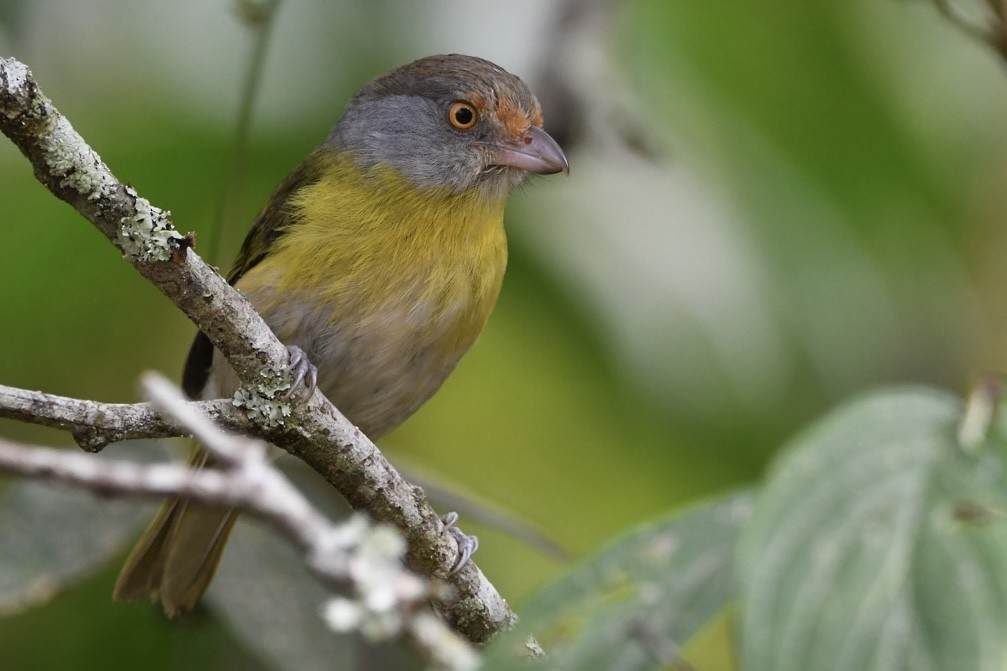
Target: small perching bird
column 378, row 259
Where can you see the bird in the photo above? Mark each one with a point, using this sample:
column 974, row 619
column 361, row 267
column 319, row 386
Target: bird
column 377, row 261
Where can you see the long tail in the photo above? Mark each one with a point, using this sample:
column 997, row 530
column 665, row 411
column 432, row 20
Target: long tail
column 175, row 559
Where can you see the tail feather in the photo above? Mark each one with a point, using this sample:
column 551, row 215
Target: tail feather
column 197, row 542
column 140, row 576
column 175, row 559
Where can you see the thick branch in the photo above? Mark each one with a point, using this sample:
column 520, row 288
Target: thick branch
column 317, row 433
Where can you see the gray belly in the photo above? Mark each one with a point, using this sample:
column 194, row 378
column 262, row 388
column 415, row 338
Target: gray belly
column 377, row 369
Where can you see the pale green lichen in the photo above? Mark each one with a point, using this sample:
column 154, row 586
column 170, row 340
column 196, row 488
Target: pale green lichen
column 67, row 156
column 148, row 235
column 16, row 74
column 263, row 402
column 370, row 555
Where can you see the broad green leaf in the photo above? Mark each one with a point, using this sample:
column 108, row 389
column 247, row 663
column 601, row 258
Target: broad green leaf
column 52, row 535
column 878, row 543
column 638, row 602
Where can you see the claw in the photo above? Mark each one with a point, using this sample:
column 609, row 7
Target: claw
column 303, row 370
column 467, row 545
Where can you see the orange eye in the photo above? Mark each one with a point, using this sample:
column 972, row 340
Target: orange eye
column 462, row 115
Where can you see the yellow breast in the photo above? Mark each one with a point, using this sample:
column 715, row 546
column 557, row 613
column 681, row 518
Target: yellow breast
column 384, row 286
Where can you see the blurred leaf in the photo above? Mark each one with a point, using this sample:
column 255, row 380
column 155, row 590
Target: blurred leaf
column 638, row 602
column 52, row 537
column 875, row 545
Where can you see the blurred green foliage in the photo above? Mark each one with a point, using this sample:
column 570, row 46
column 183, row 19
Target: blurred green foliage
column 849, row 152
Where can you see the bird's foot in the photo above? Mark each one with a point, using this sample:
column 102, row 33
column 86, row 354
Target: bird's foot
column 305, row 373
column 467, row 545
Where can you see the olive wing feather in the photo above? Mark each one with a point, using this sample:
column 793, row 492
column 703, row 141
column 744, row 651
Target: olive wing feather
column 275, row 219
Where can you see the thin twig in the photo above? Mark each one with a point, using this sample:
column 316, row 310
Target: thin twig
column 998, row 7
column 586, row 96
column 662, row 650
column 993, row 34
column 260, row 17
column 952, row 14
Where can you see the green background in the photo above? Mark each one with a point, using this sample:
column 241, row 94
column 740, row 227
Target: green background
column 823, row 216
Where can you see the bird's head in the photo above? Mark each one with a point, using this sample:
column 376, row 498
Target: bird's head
column 450, row 122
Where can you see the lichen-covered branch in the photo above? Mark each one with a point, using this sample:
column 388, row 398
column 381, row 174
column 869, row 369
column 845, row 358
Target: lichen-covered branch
column 248, row 480
column 316, row 432
column 94, row 425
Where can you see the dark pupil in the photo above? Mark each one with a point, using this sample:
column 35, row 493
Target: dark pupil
column 463, row 115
